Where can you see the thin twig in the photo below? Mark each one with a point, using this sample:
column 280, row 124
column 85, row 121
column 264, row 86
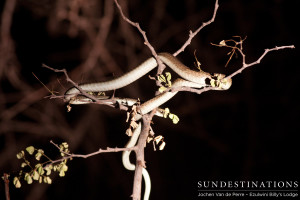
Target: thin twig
column 82, row 92
column 139, row 148
column 71, row 155
column 193, row 34
column 111, row 102
column 160, row 64
column 245, row 65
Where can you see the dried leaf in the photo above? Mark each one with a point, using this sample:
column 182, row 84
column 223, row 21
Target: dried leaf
column 162, row 146
column 222, row 43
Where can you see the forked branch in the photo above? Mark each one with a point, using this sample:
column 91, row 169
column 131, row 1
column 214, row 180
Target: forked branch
column 139, row 149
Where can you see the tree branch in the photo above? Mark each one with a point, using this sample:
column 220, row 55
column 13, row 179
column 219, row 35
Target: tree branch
column 139, row 152
column 193, row 34
column 139, row 148
column 107, row 150
column 6, row 182
column 245, row 65
column 160, row 64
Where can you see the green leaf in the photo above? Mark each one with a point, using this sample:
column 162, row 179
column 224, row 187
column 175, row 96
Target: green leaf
column 38, row 156
column 28, row 178
column 65, row 145
column 62, row 173
column 35, row 175
column 30, row 150
column 38, row 165
column 48, row 169
column 166, row 112
column 40, row 179
column 162, row 89
column 174, row 118
column 40, row 170
column 41, row 151
column 64, row 167
column 168, row 76
column 55, row 168
column 20, row 155
column 161, row 78
column 24, row 164
column 17, row 182
column 47, row 179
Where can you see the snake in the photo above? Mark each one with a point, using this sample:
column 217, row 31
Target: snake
column 189, row 78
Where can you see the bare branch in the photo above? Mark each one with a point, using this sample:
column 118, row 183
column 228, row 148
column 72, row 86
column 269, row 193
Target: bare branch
column 108, row 102
column 96, row 29
column 160, row 64
column 73, row 83
column 193, row 34
column 107, row 150
column 6, row 182
column 245, row 65
column 140, row 159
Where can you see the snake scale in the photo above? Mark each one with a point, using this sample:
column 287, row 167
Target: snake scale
column 189, row 78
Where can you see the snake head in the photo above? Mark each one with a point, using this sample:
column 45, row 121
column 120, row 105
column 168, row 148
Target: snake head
column 219, row 82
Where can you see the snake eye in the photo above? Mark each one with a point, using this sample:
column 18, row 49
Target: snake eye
column 207, row 81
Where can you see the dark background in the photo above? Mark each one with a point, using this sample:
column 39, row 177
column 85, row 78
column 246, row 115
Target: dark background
column 249, row 132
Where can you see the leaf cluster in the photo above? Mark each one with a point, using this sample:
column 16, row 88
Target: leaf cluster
column 40, row 171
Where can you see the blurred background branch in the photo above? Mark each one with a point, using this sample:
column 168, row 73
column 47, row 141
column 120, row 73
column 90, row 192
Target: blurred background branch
column 255, row 139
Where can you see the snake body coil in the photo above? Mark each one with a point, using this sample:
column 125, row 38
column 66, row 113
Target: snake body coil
column 193, row 79
column 183, row 71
